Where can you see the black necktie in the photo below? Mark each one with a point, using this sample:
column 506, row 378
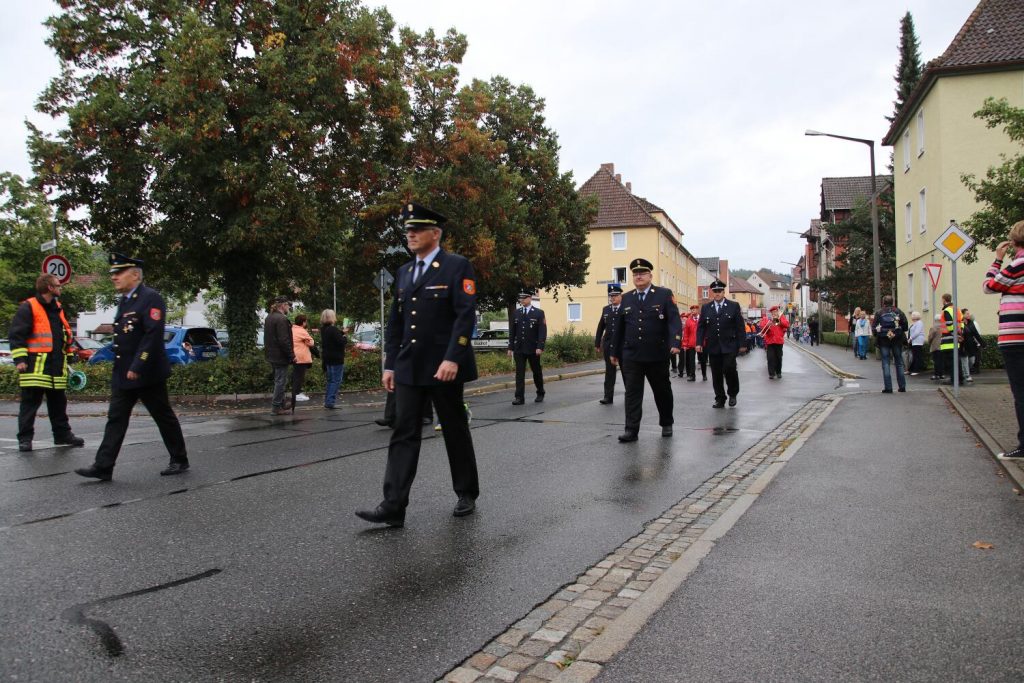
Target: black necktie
column 643, row 295
column 419, row 271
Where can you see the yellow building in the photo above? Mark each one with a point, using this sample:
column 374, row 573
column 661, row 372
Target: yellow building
column 936, row 139
column 626, row 227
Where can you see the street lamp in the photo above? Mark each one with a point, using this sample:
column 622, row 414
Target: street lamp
column 874, row 210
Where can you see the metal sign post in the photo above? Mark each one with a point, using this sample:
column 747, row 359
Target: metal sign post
column 383, row 280
column 953, row 243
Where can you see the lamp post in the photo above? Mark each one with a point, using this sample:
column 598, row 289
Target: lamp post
column 874, row 211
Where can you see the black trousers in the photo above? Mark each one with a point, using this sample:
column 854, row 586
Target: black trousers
column 634, row 373
column 702, row 357
column 609, row 375
column 122, row 401
column 404, row 449
column 299, row 376
column 1013, row 362
column 389, row 407
column 774, row 354
column 947, row 365
column 56, row 408
column 689, row 362
column 723, row 366
column 673, row 361
column 538, row 377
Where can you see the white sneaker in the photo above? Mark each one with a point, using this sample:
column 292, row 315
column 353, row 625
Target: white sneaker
column 301, row 397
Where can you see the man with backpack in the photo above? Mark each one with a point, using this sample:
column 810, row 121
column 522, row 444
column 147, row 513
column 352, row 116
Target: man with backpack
column 891, row 326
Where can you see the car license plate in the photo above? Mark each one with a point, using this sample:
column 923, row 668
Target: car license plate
column 209, row 354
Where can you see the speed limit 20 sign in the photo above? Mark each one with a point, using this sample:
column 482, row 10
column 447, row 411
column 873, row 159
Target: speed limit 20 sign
column 58, row 266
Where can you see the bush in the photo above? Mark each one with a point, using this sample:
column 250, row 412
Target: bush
column 571, row 346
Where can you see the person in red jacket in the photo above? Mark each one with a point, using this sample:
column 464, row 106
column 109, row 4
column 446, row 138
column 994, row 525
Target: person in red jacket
column 689, row 346
column 773, row 330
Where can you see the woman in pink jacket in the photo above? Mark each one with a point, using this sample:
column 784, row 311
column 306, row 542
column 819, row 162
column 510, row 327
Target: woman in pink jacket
column 302, row 341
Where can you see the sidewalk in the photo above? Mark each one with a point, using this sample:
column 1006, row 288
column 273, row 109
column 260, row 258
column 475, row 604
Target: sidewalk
column 259, row 403
column 986, row 404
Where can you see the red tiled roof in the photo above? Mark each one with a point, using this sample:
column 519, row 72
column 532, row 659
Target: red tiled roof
column 737, row 285
column 617, row 207
column 991, row 39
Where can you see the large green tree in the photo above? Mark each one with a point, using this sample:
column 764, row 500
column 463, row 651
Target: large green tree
column 26, row 221
column 1001, row 192
column 228, row 143
column 908, row 70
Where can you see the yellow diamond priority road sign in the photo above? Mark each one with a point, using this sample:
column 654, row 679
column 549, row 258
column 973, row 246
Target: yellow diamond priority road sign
column 954, row 242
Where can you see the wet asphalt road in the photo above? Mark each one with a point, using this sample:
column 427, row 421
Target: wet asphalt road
column 252, row 566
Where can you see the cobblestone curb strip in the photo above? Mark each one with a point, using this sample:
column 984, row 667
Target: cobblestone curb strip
column 569, row 637
column 1012, row 469
column 828, row 367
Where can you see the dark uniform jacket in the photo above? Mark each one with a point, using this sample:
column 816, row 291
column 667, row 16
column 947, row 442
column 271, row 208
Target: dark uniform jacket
column 139, row 340
column 606, row 328
column 646, row 332
column 527, row 333
column 722, row 332
column 432, row 321
column 277, row 339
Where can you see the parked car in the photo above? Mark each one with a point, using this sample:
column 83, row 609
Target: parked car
column 184, row 345
column 84, row 347
column 365, row 340
column 491, row 340
column 5, row 353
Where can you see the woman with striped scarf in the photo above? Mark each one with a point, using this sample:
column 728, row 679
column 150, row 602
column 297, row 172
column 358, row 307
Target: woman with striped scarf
column 1008, row 281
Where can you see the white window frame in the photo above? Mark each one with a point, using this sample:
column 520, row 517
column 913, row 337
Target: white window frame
column 908, row 220
column 579, row 309
column 624, row 240
column 920, row 133
column 615, row 274
column 911, row 292
column 906, row 150
column 922, row 209
column 925, row 286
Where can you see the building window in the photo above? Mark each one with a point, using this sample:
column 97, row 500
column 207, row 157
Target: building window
column 618, row 241
column 920, row 133
column 925, row 283
column 575, row 313
column 619, row 274
column 906, row 150
column 910, row 292
column 922, row 208
column 908, row 219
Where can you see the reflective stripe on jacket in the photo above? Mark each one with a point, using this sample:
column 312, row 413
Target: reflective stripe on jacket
column 948, row 336
column 39, row 346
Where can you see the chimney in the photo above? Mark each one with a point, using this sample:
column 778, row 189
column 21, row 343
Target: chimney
column 618, row 178
column 608, row 167
column 629, row 188
column 723, row 270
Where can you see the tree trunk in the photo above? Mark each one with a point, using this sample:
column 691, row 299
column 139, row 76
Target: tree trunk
column 241, row 300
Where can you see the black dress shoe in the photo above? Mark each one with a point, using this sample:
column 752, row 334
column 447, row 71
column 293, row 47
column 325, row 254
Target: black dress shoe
column 518, row 401
column 174, row 468
column 771, row 376
column 691, row 379
column 94, row 472
column 384, row 423
column 666, row 430
column 70, row 440
column 24, row 446
column 379, row 515
column 732, row 401
column 605, row 401
column 464, row 507
column 539, row 399
column 718, row 404
column 627, row 437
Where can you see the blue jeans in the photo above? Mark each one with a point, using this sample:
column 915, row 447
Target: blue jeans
column 862, row 346
column 896, row 353
column 334, row 375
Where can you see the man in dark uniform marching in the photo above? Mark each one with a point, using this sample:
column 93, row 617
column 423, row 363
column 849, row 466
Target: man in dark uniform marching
column 526, row 337
column 648, row 329
column 428, row 356
column 603, row 339
column 140, row 371
column 722, row 333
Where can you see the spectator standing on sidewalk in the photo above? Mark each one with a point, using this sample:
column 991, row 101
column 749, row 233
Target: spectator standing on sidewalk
column 1008, row 281
column 334, row 340
column 934, row 341
column 304, row 350
column 916, row 335
column 279, row 350
column 41, row 339
column 812, row 329
column 890, row 335
column 952, row 335
column 971, row 347
column 861, row 334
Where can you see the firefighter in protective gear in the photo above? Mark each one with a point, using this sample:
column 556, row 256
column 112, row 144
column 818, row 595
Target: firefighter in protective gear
column 41, row 341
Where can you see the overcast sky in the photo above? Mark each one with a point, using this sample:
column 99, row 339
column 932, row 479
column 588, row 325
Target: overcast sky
column 701, row 105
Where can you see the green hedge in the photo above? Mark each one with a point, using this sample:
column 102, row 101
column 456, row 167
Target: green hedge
column 252, row 374
column 991, row 358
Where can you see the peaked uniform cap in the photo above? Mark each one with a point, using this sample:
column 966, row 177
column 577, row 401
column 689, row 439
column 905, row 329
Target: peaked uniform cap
column 614, row 288
column 120, row 262
column 717, row 285
column 524, row 292
column 420, row 217
column 640, row 264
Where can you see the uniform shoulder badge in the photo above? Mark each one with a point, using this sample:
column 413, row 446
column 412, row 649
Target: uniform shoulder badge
column 469, row 287
column 154, row 313
column 463, row 341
